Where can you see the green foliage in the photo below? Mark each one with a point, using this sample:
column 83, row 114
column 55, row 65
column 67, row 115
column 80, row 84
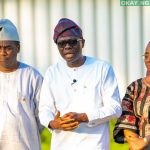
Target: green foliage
column 46, row 137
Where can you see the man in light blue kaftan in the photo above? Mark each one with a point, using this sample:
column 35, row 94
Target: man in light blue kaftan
column 20, row 86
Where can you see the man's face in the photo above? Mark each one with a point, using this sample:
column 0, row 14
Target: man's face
column 8, row 53
column 70, row 48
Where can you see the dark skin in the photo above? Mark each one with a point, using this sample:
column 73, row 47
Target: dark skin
column 147, row 63
column 72, row 54
column 136, row 142
column 74, row 58
column 63, row 123
column 8, row 55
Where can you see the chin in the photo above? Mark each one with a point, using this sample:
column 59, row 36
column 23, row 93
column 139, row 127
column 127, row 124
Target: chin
column 70, row 60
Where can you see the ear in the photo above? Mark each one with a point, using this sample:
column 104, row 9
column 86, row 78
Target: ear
column 18, row 48
column 83, row 42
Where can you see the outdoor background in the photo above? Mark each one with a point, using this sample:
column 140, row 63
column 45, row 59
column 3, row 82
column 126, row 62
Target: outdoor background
column 117, row 34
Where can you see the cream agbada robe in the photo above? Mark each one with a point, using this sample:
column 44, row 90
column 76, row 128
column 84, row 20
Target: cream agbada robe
column 19, row 98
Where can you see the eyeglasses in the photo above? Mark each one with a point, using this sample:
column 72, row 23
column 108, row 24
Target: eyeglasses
column 71, row 42
column 146, row 56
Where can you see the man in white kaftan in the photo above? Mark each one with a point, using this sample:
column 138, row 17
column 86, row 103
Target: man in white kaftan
column 20, row 86
column 79, row 95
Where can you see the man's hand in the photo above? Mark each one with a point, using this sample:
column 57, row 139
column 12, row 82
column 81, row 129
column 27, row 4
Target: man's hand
column 80, row 117
column 135, row 142
column 63, row 123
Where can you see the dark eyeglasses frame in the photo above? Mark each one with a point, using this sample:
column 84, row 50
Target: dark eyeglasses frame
column 146, row 56
column 71, row 42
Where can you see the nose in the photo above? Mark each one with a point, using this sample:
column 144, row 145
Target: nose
column 68, row 46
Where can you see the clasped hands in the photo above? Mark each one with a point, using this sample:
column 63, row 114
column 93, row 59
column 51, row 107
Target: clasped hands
column 68, row 121
column 135, row 142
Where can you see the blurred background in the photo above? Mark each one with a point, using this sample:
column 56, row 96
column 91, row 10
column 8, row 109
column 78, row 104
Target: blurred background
column 117, row 34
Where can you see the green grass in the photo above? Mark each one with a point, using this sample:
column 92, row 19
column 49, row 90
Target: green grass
column 46, row 136
column 45, row 139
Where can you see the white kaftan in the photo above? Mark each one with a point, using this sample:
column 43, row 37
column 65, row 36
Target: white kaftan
column 92, row 89
column 19, row 99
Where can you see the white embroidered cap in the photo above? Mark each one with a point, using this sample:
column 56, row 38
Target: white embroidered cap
column 8, row 31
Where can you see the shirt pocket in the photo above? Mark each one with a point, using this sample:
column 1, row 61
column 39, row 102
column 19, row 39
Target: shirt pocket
column 27, row 114
column 25, row 105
